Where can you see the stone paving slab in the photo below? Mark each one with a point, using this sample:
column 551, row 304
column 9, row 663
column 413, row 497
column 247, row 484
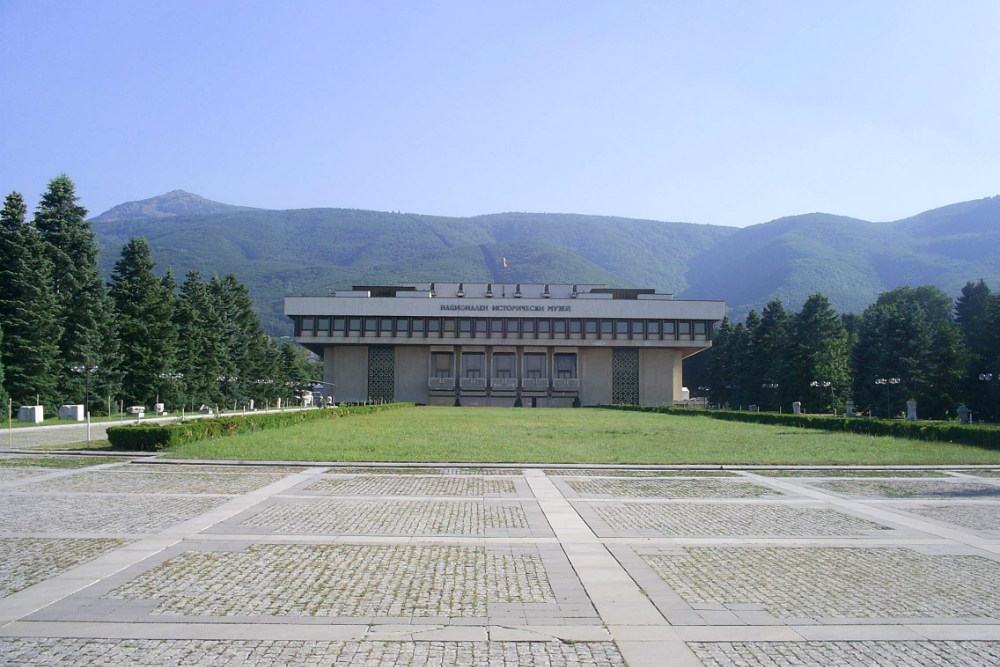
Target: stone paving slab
column 105, row 514
column 11, row 474
column 123, row 480
column 465, row 565
column 339, row 583
column 929, row 489
column 610, row 472
column 322, row 516
column 896, row 653
column 26, row 561
column 637, row 519
column 414, row 485
column 979, row 516
column 822, row 583
column 662, row 488
column 170, row 653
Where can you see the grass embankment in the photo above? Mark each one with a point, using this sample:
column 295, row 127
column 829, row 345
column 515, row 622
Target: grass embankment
column 504, row 435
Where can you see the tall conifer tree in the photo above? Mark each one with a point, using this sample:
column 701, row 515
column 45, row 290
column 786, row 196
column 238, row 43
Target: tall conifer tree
column 819, row 354
column 29, row 351
column 3, row 390
column 72, row 250
column 200, row 352
column 146, row 330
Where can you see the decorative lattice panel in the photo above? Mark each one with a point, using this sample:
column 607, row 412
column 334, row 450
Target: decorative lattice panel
column 625, row 376
column 381, row 373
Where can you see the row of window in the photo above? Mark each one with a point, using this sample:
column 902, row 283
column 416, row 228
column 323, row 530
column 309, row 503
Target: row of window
column 504, row 365
column 502, row 327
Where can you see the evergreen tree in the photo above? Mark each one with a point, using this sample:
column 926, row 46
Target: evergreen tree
column 894, row 341
column 72, row 250
column 720, row 370
column 975, row 315
column 3, row 391
column 29, row 351
column 818, row 354
column 200, row 350
column 145, row 323
column 771, row 343
column 934, row 354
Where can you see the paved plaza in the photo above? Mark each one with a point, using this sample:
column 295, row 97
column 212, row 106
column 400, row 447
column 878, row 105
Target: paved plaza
column 139, row 560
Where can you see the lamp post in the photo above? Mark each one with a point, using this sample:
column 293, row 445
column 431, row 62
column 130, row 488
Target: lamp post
column 224, row 379
column 888, row 382
column 172, row 377
column 823, row 384
column 86, row 371
column 988, row 378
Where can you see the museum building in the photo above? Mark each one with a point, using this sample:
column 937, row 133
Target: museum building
column 490, row 344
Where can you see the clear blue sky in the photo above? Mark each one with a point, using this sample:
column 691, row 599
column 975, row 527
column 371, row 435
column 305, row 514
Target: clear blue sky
column 718, row 112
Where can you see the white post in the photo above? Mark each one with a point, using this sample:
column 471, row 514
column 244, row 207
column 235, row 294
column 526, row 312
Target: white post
column 88, row 429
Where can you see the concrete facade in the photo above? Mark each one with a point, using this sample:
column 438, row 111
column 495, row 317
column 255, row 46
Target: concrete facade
column 490, row 344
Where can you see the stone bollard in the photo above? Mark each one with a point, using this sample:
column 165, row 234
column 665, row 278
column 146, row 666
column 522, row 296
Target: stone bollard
column 71, row 413
column 31, row 413
column 911, row 411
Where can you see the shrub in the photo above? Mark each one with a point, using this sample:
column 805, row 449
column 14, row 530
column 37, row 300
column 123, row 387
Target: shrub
column 978, row 436
column 155, row 437
column 518, row 403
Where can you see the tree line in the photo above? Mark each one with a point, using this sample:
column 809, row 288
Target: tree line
column 912, row 343
column 66, row 334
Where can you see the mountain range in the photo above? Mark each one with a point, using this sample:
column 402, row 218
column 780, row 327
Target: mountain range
column 310, row 251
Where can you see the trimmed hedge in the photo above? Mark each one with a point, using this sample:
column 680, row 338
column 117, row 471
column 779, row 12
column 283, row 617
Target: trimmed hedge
column 154, row 437
column 977, row 436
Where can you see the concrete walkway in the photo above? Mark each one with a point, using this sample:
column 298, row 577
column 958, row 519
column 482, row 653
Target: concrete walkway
column 153, row 563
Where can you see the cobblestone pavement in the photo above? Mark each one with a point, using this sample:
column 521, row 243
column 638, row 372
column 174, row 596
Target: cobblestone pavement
column 170, row 653
column 978, row 516
column 26, row 561
column 722, row 519
column 835, row 582
column 127, row 481
column 897, row 653
column 173, row 563
column 912, row 488
column 393, row 517
column 611, row 472
column 99, row 513
column 404, row 485
column 668, row 488
column 341, row 580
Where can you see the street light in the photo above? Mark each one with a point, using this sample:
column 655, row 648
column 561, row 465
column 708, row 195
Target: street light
column 86, row 371
column 824, row 384
column 172, row 377
column 888, row 382
column 224, row 379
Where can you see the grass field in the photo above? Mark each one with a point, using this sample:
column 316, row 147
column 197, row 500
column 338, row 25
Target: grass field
column 504, row 435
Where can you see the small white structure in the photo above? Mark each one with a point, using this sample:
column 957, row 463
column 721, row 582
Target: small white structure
column 136, row 410
column 71, row 412
column 797, row 408
column 158, row 409
column 33, row 414
column 911, row 411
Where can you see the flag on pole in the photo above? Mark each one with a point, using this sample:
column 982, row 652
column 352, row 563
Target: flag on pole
column 505, row 261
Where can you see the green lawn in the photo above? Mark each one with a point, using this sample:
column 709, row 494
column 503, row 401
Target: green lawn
column 480, row 435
